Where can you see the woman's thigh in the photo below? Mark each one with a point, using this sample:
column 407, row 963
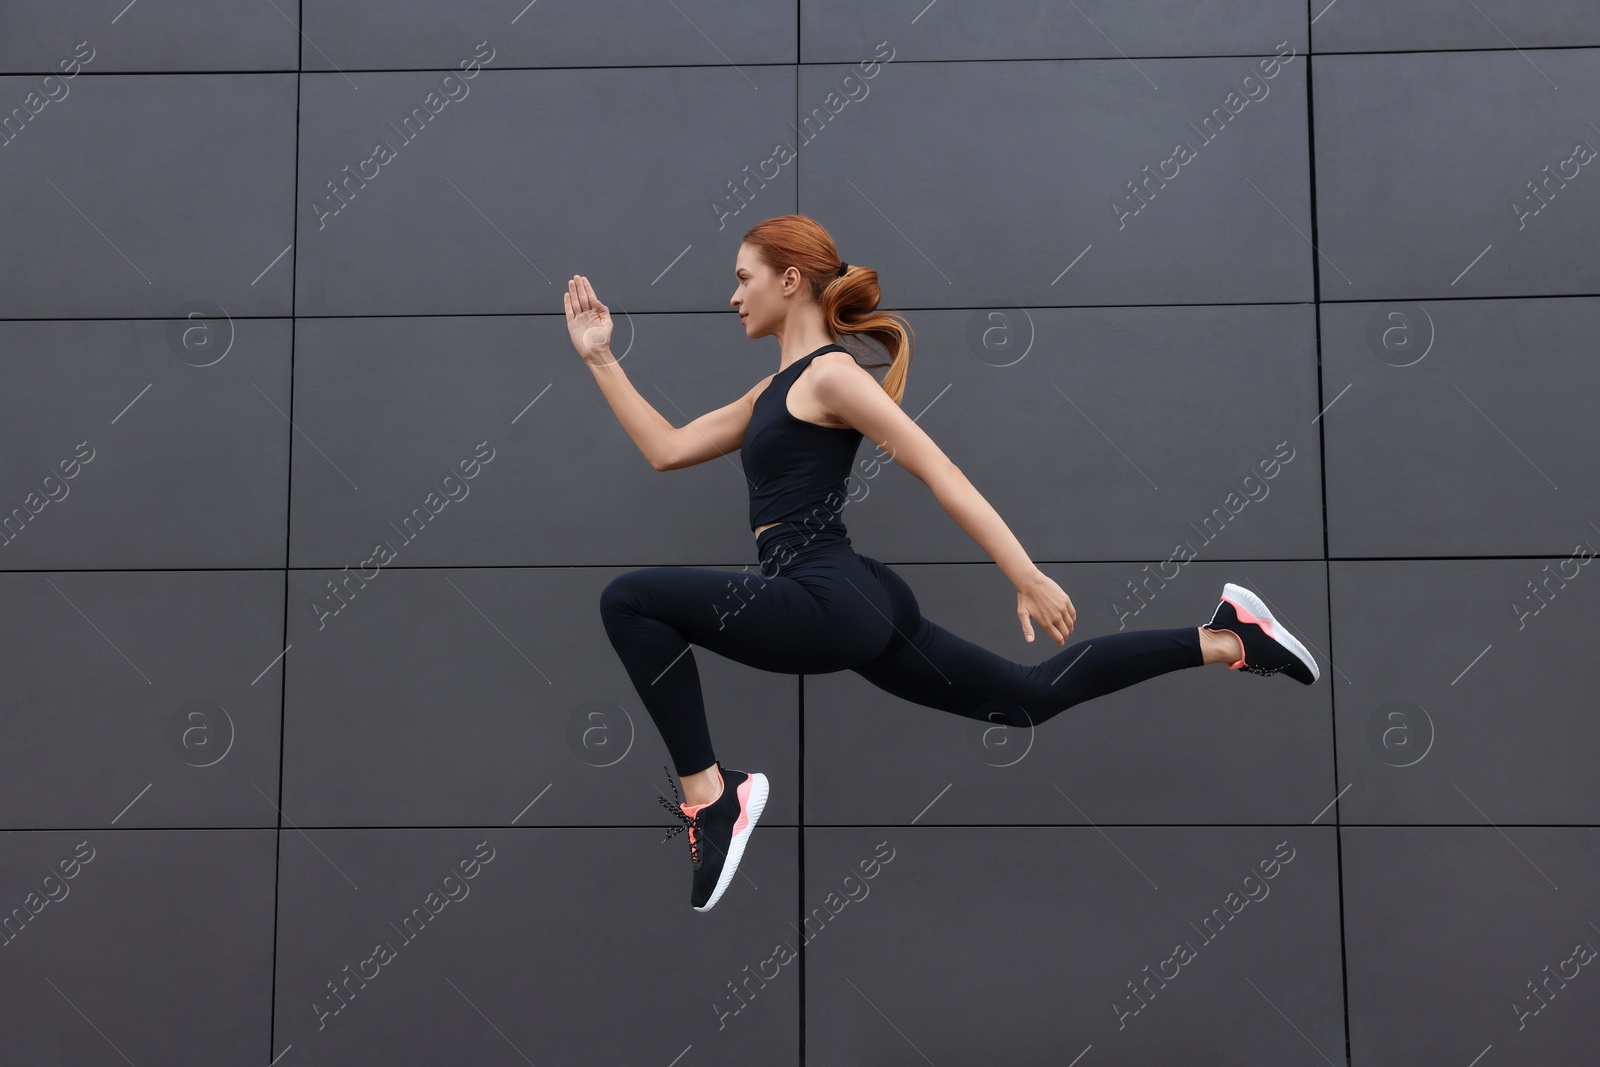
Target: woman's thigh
column 827, row 614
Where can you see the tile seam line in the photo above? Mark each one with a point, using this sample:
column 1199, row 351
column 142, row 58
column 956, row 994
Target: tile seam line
column 1308, row 303
column 288, row 539
column 381, row 827
column 784, row 64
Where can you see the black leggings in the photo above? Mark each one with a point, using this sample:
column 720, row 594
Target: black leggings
column 816, row 606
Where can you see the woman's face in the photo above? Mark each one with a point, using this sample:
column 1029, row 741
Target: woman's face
column 759, row 298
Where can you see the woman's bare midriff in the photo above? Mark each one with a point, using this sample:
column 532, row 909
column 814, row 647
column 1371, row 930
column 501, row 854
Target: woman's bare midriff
column 768, row 526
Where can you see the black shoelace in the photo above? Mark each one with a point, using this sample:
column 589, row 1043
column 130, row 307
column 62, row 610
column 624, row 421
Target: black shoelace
column 689, row 822
column 1263, row 670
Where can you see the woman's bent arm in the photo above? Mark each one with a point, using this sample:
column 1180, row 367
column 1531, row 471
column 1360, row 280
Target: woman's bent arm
column 669, row 447
column 649, row 429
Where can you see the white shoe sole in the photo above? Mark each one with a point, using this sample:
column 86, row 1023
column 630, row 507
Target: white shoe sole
column 758, row 801
column 1252, row 603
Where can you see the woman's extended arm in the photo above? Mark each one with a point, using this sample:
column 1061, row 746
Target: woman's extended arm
column 855, row 397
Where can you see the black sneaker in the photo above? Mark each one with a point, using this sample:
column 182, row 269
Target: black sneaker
column 1268, row 647
column 718, row 831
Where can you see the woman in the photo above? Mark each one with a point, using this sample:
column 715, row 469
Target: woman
column 817, row 605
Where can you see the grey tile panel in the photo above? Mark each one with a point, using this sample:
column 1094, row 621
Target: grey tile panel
column 837, row 30
column 422, row 195
column 1460, row 427
column 600, row 33
column 1167, row 181
column 141, row 698
column 151, row 946
column 43, row 36
column 145, row 443
column 1453, row 704
column 1375, row 26
column 1122, row 947
column 142, row 195
column 520, row 944
column 1493, row 925
column 1456, row 174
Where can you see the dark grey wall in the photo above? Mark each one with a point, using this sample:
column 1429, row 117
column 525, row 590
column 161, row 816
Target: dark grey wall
column 224, row 385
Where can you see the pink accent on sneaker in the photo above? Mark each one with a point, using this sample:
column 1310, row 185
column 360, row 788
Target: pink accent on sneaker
column 744, row 805
column 1245, row 616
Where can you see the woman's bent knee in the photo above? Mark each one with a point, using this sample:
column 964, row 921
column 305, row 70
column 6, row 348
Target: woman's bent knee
column 621, row 594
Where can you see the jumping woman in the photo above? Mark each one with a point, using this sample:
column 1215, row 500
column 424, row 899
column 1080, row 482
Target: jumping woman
column 818, row 606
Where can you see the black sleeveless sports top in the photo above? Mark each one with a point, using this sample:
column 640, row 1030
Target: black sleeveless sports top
column 796, row 469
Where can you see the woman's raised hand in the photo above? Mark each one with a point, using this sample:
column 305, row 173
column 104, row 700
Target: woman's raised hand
column 588, row 321
column 1040, row 598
